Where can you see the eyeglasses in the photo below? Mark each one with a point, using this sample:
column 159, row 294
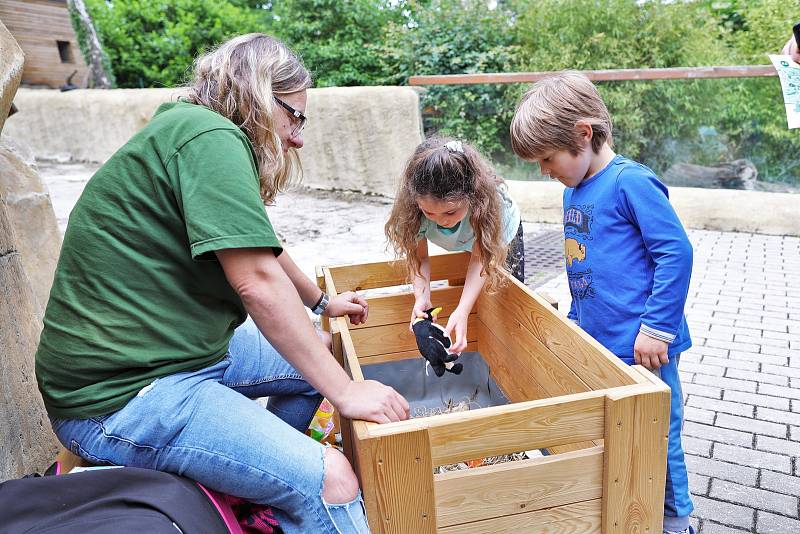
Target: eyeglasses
column 294, row 113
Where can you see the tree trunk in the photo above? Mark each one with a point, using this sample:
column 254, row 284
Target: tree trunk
column 738, row 174
column 98, row 78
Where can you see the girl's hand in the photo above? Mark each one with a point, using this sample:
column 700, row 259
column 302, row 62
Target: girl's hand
column 457, row 330
column 650, row 352
column 418, row 312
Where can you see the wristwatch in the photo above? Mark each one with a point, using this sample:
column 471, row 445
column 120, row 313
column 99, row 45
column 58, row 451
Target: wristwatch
column 322, row 303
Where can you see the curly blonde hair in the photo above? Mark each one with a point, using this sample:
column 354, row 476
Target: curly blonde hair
column 238, row 80
column 449, row 175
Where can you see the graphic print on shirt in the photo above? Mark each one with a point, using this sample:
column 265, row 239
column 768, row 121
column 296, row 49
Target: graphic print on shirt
column 577, row 234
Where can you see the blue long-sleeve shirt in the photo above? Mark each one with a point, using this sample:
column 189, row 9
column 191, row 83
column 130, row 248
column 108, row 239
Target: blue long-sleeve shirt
column 628, row 259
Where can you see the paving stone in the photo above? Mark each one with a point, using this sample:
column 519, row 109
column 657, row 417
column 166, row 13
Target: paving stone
column 717, row 434
column 768, row 523
column 698, row 415
column 726, row 383
column 794, row 433
column 759, row 357
column 777, row 351
column 723, row 512
column 757, row 377
column 748, row 424
column 736, row 408
column 780, row 483
column 757, row 399
column 749, row 457
column 696, row 446
column 725, row 470
column 777, row 416
column 750, row 365
column 706, row 368
column 701, row 390
column 709, row 527
column 711, row 351
column 778, row 445
column 730, row 345
column 699, row 484
column 779, row 391
column 758, row 499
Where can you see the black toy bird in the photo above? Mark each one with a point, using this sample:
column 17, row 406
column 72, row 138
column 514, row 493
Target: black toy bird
column 433, row 344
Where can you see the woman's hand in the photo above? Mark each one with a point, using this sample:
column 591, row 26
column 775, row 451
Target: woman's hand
column 348, row 303
column 457, row 330
column 418, row 312
column 650, row 352
column 371, row 401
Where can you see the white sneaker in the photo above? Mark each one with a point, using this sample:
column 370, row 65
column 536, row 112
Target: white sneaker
column 687, row 530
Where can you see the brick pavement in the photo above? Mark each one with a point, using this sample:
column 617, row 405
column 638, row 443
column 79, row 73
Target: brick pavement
column 741, row 381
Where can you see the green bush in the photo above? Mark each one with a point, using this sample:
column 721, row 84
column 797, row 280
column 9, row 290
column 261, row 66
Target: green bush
column 152, row 43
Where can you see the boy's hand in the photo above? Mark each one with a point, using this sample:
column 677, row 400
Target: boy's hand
column 650, row 352
column 420, row 305
column 457, row 330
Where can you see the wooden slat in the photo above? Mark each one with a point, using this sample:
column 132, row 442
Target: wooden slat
column 404, row 484
column 606, row 75
column 395, row 338
column 396, row 307
column 521, row 486
column 636, row 434
column 509, row 428
column 528, row 353
column 405, row 355
column 578, row 518
column 519, row 384
column 387, row 274
column 592, row 362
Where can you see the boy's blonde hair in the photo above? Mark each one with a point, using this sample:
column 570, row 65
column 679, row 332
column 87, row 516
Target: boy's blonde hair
column 548, row 112
column 442, row 173
column 238, row 80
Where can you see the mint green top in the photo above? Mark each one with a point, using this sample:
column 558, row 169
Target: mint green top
column 138, row 291
column 462, row 235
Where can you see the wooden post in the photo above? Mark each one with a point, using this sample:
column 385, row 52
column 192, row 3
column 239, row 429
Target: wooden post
column 402, row 471
column 635, row 463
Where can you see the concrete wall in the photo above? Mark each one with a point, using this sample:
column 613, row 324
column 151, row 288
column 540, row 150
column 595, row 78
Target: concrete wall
column 724, row 210
column 26, row 442
column 358, row 139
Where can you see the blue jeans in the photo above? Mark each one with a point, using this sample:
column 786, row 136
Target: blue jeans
column 677, row 500
column 203, row 425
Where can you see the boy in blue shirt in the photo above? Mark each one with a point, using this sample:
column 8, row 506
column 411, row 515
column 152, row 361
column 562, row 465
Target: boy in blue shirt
column 628, row 258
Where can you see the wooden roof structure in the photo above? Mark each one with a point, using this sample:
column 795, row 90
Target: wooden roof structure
column 44, row 32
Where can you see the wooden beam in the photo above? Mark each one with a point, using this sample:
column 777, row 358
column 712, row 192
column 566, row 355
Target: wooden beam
column 404, row 484
column 445, row 266
column 389, row 338
column 636, row 435
column 396, row 307
column 521, row 486
column 607, row 75
column 578, row 518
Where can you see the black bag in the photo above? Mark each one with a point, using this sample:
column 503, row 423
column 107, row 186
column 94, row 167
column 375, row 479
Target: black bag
column 124, row 499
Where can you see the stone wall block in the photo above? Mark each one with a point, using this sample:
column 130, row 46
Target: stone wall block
column 11, row 62
column 32, row 216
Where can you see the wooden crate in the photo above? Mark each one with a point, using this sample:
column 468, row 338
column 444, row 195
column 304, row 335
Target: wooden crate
column 604, row 423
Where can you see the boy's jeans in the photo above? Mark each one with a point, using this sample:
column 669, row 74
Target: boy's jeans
column 202, row 425
column 677, row 500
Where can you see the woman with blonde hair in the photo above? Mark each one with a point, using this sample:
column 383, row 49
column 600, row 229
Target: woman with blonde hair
column 147, row 358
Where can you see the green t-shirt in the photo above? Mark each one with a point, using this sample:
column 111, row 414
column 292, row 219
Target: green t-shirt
column 138, row 292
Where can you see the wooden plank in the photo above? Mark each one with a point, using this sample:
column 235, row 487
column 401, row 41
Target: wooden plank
column 606, row 75
column 403, row 484
column 396, row 307
column 396, row 338
column 592, row 362
column 319, row 271
column 393, row 273
column 509, row 428
column 528, row 354
column 578, row 518
column 513, row 487
column 517, row 382
column 404, row 355
column 636, row 435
